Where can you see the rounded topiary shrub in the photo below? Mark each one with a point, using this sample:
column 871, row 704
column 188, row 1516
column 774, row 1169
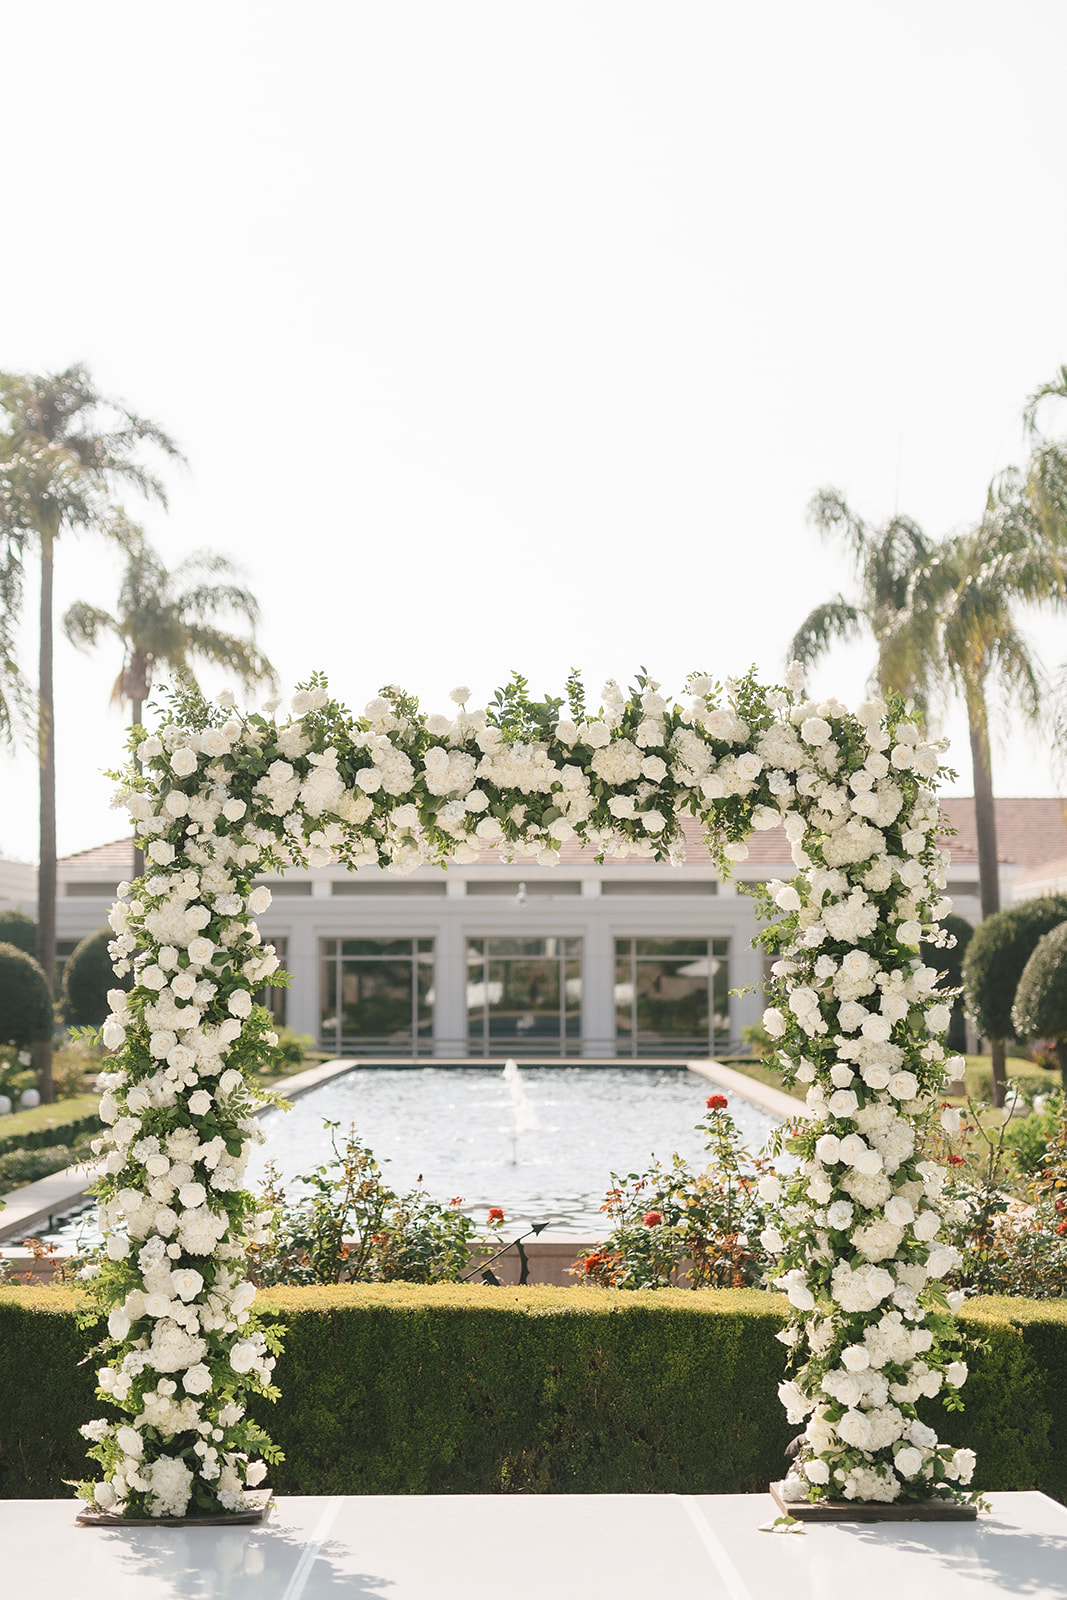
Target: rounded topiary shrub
column 1040, row 1009
column 996, row 956
column 87, row 977
column 18, row 929
column 26, row 1015
column 950, row 962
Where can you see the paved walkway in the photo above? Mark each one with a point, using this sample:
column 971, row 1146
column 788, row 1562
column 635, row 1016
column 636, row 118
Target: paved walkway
column 537, row 1547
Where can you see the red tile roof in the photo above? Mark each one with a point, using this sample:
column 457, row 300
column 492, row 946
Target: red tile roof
column 119, row 853
column 1030, row 832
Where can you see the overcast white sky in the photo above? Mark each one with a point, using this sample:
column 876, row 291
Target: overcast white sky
column 520, row 336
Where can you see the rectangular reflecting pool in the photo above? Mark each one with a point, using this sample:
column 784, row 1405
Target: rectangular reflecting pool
column 541, row 1142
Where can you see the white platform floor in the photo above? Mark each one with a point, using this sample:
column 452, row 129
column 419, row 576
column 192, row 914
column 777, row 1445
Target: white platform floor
column 536, row 1547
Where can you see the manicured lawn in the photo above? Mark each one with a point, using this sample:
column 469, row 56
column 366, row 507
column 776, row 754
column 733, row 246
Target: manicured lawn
column 20, row 1123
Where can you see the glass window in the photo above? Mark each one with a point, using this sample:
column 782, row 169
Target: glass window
column 524, row 996
column 672, row 996
column 377, row 996
column 275, row 999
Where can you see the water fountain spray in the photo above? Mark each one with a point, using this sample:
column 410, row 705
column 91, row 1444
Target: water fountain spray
column 523, row 1114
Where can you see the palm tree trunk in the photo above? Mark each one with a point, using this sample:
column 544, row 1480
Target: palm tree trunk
column 46, row 755
column 985, row 822
column 138, row 853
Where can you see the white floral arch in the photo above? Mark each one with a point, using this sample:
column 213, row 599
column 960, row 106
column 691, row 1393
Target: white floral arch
column 221, row 796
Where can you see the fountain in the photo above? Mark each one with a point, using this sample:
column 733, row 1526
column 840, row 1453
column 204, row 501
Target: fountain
column 523, row 1114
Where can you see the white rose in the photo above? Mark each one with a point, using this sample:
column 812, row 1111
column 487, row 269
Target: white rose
column 654, row 768
column 300, row 704
column 899, row 1211
column 828, row 1148
column 259, row 900
column 118, row 1323
column 817, row 1471
column 201, row 951
column 877, row 1029
column 855, row 1429
column 788, row 899
column 769, row 1187
column 843, row 1103
column 187, row 1282
column 183, row 762
column 855, row 1357
column 736, row 852
column 908, row 1461
column 489, row 830
column 461, row 694
column 200, row 1103
column 255, row 1472
column 903, row 1086
column 192, row 1195
column 103, row 1493
column 239, row 1003
column 942, row 1258
column 113, row 1035
column 161, row 852
column 956, row 1373
column 774, row 1022
column 234, row 810
column 815, row 731
column 243, row 1356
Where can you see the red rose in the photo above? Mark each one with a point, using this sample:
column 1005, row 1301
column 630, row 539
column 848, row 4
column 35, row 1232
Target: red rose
column 954, row 1161
column 717, row 1102
column 652, row 1219
column 495, row 1214
column 1062, row 1226
column 457, row 1200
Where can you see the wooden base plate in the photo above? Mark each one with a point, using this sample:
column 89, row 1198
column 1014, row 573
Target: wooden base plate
column 873, row 1510
column 259, row 1504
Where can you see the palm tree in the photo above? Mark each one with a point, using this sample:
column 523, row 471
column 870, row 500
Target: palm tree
column 165, row 619
column 64, row 452
column 942, row 618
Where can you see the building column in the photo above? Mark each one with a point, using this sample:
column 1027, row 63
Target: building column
column 450, row 989
column 302, row 961
column 598, row 990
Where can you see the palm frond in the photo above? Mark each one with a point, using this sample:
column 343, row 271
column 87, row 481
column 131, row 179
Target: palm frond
column 1055, row 389
column 83, row 624
column 836, row 621
column 829, row 511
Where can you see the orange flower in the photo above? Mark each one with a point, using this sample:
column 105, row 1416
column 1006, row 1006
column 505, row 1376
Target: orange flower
column 652, row 1219
column 495, row 1214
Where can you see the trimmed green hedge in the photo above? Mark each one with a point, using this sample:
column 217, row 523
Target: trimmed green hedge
column 462, row 1389
column 53, row 1132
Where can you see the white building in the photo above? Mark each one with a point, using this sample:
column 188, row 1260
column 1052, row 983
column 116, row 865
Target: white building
column 628, row 958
